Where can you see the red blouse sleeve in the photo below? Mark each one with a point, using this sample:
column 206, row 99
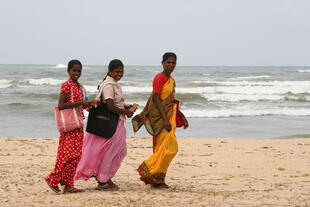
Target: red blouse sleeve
column 65, row 89
column 158, row 82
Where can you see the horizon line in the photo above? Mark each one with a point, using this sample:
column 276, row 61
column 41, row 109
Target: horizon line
column 160, row 65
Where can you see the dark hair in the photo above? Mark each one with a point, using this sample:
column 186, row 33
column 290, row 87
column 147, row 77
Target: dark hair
column 72, row 63
column 114, row 64
column 168, row 55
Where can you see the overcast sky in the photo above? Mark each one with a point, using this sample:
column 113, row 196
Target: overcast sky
column 201, row 32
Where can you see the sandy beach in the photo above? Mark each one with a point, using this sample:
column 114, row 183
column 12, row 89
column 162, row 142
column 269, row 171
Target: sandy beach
column 206, row 172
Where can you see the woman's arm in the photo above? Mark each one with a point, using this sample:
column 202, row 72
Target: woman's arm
column 131, row 107
column 63, row 105
column 113, row 108
column 162, row 111
column 128, row 106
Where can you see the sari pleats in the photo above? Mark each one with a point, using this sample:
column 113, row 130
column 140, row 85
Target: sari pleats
column 165, row 147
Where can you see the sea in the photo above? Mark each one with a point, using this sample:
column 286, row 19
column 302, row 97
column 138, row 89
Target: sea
column 219, row 101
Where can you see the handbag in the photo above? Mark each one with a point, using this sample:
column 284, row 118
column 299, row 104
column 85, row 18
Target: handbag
column 68, row 119
column 179, row 118
column 101, row 121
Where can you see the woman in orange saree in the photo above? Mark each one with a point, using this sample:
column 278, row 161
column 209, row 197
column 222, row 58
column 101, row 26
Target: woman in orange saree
column 160, row 117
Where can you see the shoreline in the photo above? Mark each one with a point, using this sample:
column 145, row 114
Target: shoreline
column 307, row 136
column 234, row 127
column 205, row 172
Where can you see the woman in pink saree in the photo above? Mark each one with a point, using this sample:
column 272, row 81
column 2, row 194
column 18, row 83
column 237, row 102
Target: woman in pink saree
column 102, row 157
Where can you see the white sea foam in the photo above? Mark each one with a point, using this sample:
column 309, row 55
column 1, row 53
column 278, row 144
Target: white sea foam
column 21, row 83
column 276, row 88
column 203, row 92
column 5, row 83
column 235, row 93
column 246, row 112
column 134, row 83
column 126, row 89
column 134, row 89
column 251, row 77
column 246, row 89
column 297, row 97
column 303, row 71
column 91, row 89
column 59, row 66
column 45, row 81
column 257, row 97
column 261, row 83
column 242, row 97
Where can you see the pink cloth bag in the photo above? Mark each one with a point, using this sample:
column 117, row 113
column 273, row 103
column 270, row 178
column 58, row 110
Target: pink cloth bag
column 68, row 119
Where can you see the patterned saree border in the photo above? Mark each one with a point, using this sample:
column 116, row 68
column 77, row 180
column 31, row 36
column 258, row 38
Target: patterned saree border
column 148, row 178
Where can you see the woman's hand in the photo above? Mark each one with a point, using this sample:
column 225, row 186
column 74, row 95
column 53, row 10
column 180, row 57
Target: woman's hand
column 86, row 104
column 133, row 107
column 95, row 102
column 167, row 125
column 129, row 113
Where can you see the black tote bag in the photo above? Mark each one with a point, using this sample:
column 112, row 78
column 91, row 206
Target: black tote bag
column 101, row 121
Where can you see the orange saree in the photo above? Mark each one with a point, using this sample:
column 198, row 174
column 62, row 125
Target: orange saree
column 165, row 147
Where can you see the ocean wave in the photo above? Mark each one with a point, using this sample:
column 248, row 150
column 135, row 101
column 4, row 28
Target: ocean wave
column 60, row 66
column 221, row 87
column 45, row 81
column 91, row 89
column 225, row 93
column 302, row 97
column 303, row 71
column 196, row 98
column 5, row 86
column 190, row 84
column 206, row 113
column 241, row 83
column 246, row 89
column 52, row 96
column 298, row 91
column 134, row 84
column 135, row 89
column 261, row 83
column 21, row 106
column 126, row 89
column 242, row 97
column 251, row 77
column 5, row 83
column 191, row 97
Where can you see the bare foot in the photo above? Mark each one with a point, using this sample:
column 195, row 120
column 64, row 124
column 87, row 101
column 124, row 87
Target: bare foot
column 53, row 188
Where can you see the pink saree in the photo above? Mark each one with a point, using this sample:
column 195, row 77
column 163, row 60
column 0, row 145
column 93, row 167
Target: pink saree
column 101, row 157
